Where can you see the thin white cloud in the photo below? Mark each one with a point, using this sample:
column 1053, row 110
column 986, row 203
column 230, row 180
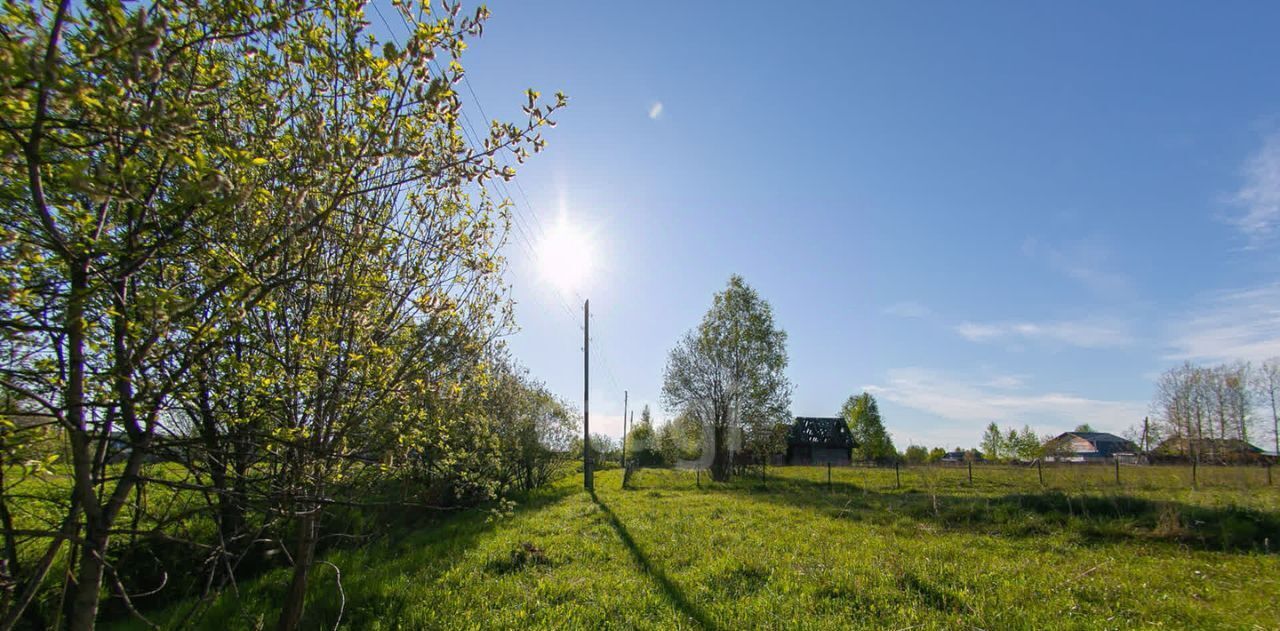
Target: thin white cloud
column 655, row 110
column 1080, row 333
column 908, row 309
column 977, row 404
column 1086, row 261
column 1006, row 382
column 1231, row 325
column 1259, row 196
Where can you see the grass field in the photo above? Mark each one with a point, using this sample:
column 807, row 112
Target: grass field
column 794, row 553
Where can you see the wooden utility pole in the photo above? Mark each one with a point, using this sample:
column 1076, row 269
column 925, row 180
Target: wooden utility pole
column 624, row 436
column 624, row 429
column 587, row 481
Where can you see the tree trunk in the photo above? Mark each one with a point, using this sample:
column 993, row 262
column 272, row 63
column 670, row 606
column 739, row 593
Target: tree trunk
column 720, row 463
column 1275, row 422
column 19, row 607
column 84, row 603
column 12, row 563
column 88, row 584
column 291, row 612
column 221, row 449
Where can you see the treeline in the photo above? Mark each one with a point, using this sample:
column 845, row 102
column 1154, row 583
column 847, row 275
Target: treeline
column 1008, row 445
column 1200, row 407
column 666, row 444
column 246, row 256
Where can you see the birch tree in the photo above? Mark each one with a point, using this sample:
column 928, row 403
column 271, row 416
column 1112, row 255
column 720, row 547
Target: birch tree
column 1266, row 383
column 729, row 373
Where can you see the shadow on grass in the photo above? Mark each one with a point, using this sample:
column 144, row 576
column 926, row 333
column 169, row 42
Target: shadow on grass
column 1091, row 516
column 672, row 592
column 424, row 552
column 423, row 547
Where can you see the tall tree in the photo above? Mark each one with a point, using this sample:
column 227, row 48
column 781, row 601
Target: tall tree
column 1238, row 392
column 1267, row 385
column 863, row 416
column 728, row 374
column 993, row 443
column 533, row 427
column 641, row 436
column 1012, row 439
column 916, row 454
column 1203, row 407
column 123, row 163
column 181, row 180
column 1028, row 446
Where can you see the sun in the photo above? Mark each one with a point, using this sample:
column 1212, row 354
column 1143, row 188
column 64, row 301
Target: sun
column 566, row 255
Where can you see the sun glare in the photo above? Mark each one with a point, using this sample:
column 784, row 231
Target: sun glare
column 565, row 255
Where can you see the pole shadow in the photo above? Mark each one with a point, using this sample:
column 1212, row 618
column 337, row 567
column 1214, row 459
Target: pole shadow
column 669, row 589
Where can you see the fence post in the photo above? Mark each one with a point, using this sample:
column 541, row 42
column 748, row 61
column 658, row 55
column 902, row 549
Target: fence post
column 698, row 472
column 970, row 473
column 897, row 475
column 1268, row 474
column 1194, row 483
column 832, row 488
column 1040, row 470
column 1117, row 461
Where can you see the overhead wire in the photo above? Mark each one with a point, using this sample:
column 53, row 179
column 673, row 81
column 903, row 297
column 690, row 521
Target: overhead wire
column 527, row 227
column 521, row 235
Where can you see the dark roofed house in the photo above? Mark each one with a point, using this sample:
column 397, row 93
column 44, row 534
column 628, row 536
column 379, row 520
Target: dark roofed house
column 819, row 440
column 960, row 456
column 1214, row 450
column 1088, row 447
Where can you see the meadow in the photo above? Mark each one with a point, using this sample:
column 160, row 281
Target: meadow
column 863, row 551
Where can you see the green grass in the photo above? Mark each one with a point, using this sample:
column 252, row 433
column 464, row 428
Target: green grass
column 38, row 503
column 934, row 554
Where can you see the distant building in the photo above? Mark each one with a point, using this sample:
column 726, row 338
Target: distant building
column 1210, row 450
column 1089, row 447
column 818, row 440
column 961, row 456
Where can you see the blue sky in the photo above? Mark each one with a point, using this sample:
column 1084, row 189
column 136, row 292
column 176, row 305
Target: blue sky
column 1019, row 212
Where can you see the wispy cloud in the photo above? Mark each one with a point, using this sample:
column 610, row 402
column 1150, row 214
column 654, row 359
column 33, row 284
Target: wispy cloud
column 655, row 110
column 1006, row 382
column 908, row 309
column 1230, row 325
column 1086, row 261
column 1259, row 196
column 1080, row 333
column 981, row 403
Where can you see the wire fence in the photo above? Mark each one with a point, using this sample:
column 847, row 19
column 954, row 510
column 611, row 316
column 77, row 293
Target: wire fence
column 1008, row 477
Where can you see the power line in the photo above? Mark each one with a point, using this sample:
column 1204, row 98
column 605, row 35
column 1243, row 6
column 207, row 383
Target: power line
column 524, row 226
column 522, row 229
